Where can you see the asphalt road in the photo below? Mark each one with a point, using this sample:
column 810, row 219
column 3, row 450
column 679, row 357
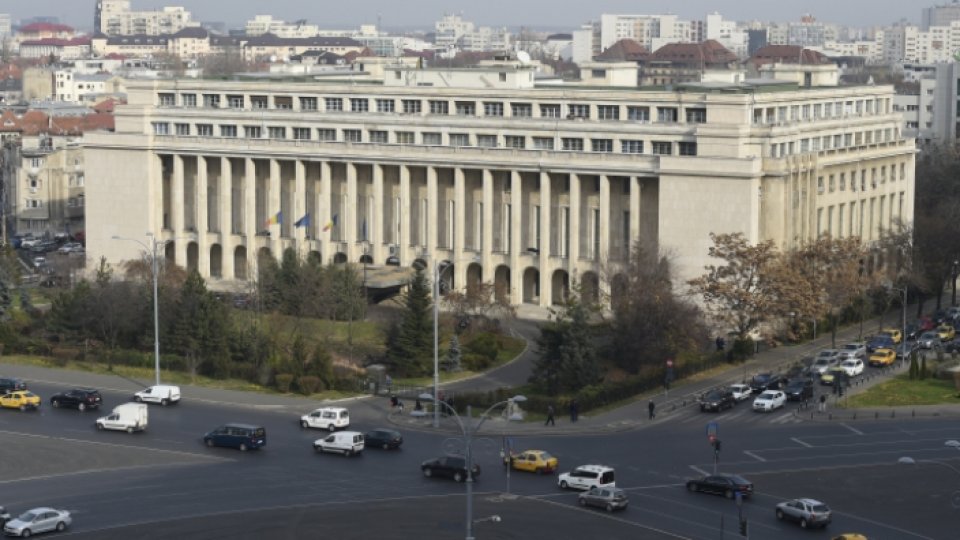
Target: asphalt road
column 122, row 485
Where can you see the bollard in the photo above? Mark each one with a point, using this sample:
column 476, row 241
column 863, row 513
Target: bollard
column 914, row 413
column 876, row 415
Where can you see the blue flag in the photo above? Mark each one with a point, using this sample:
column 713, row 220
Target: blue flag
column 304, row 221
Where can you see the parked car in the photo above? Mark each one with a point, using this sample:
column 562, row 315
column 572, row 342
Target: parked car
column 769, row 400
column 721, row 484
column 852, row 367
column 129, row 417
column 39, row 262
column 38, row 520
column 909, row 347
column 588, row 477
column 806, row 512
column 163, row 394
column 799, row 389
column 741, row 392
column 765, row 381
column 856, row 349
column 388, row 439
column 21, row 399
column 348, row 443
column 10, row 385
column 717, row 400
column 328, row 418
column 243, row 437
column 947, row 332
column 609, row 499
column 449, row 467
column 883, row 357
column 44, row 246
column 78, row 398
column 929, row 340
column 881, row 341
column 28, row 242
column 70, row 247
column 535, row 461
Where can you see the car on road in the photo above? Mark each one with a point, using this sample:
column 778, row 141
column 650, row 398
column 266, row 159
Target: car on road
column 821, row 364
column 243, row 437
column 348, row 443
column 807, row 512
column 717, row 400
column 826, row 354
column 21, row 399
column 77, row 398
column 328, row 418
column 164, row 394
column 881, row 341
column 70, row 247
column 946, row 332
column 852, row 367
column 912, row 331
column 799, row 389
column 387, row 439
column 833, row 375
column 608, row 498
column 882, row 357
column 129, row 417
column 855, row 349
column 721, row 484
column 909, row 347
column 741, row 392
column 11, row 385
column 38, row 520
column 4, row 516
column 929, row 340
column 894, row 333
column 449, row 467
column 588, row 477
column 850, row 536
column 766, row 381
column 535, row 461
column 769, row 400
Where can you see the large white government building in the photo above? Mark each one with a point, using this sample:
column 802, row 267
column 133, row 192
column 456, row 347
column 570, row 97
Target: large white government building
column 530, row 186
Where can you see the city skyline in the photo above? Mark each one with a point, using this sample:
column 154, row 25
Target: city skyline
column 531, row 13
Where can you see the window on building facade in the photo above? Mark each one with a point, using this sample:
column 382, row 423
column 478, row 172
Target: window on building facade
column 492, row 108
column 601, row 145
column 550, row 110
column 432, row 139
column 631, row 147
column 183, row 130
column 696, row 116
column 259, row 102
column 661, row 148
column 521, row 109
column 283, row 102
column 359, row 104
column 578, row 110
column 211, row 100
column 161, row 128
column 333, row 104
column 818, row 110
column 406, row 137
column 378, row 136
column 687, row 148
column 487, row 141
column 308, row 103
column 638, row 114
column 189, row 100
column 228, row 131
column 353, row 135
column 386, row 106
column 252, row 132
column 466, row 108
column 167, row 99
column 666, row 114
column 301, row 133
column 34, row 203
column 235, row 101
column 439, row 107
column 412, row 106
column 459, row 139
column 205, row 130
column 515, row 141
column 843, row 181
column 276, row 132
column 543, row 143
column 326, row 134
column 608, row 112
column 572, row 144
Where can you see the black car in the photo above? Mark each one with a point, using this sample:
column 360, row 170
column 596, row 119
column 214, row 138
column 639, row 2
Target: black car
column 912, row 331
column 8, row 385
column 717, row 400
column 799, row 389
column 78, row 398
column 448, row 467
column 766, row 381
column 388, row 439
column 721, row 484
column 880, row 342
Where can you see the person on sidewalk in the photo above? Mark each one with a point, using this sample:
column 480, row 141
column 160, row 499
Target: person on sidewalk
column 400, row 407
column 823, row 403
column 574, row 410
column 651, row 407
column 550, row 412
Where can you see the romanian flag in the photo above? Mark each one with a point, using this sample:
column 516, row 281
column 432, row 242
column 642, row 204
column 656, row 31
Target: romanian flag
column 304, row 221
column 331, row 224
column 276, row 219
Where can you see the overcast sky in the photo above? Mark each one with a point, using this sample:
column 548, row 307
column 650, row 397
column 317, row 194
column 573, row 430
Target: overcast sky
column 550, row 14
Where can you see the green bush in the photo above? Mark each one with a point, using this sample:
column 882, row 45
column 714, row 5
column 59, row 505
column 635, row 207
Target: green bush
column 485, row 345
column 309, row 384
column 475, row 362
column 283, row 382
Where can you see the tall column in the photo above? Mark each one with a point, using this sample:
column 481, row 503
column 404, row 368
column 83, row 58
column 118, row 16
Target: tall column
column 574, row 234
column 273, row 206
column 177, row 204
column 516, row 221
column 486, row 246
column 635, row 192
column 406, row 203
column 375, row 219
column 350, row 209
column 546, row 296
column 225, row 190
column 299, row 205
column 459, row 229
column 604, row 256
column 250, row 215
column 433, row 203
column 325, row 212
column 203, row 219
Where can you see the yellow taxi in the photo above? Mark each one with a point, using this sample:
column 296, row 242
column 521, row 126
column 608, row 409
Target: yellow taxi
column 21, row 399
column 895, row 334
column 830, row 376
column 850, row 536
column 946, row 332
column 882, row 357
column 535, row 461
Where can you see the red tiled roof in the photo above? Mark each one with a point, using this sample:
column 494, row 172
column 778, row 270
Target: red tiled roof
column 57, row 42
column 35, row 122
column 105, row 106
column 786, row 54
column 9, row 122
column 37, row 28
column 709, row 53
column 626, row 50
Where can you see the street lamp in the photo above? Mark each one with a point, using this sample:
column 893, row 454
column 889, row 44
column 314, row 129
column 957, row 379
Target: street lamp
column 154, row 244
column 437, row 272
column 903, row 329
column 956, row 270
column 468, row 429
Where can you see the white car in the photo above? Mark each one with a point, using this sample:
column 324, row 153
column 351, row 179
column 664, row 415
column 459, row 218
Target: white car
column 163, row 394
column 38, row 520
column 822, row 364
column 856, row 349
column 348, row 443
column 328, row 418
column 769, row 400
column 853, row 367
column 587, row 477
column 70, row 247
column 127, row 417
column 741, row 392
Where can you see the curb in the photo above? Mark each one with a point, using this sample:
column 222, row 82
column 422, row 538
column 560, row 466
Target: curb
column 524, row 427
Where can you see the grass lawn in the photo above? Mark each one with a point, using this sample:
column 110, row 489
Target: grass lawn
column 146, row 375
column 901, row 391
column 511, row 347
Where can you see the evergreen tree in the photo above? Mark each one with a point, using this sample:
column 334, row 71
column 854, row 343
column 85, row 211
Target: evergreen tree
column 567, row 360
column 452, row 361
column 411, row 345
column 200, row 328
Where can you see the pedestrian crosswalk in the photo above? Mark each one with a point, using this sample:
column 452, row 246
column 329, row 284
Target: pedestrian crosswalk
column 740, row 415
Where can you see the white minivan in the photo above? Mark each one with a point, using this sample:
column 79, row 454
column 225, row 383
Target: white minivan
column 328, row 418
column 128, row 417
column 348, row 443
column 163, row 394
column 587, row 477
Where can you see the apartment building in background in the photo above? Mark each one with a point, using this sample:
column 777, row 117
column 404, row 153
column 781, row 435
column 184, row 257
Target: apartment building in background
column 115, row 18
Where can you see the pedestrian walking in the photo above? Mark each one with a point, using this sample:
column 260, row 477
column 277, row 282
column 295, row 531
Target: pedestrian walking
column 400, row 406
column 574, row 410
column 823, row 403
column 550, row 412
column 651, row 407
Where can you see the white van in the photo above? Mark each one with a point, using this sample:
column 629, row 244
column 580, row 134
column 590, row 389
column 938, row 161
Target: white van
column 587, row 477
column 328, row 418
column 162, row 393
column 348, row 443
column 128, row 417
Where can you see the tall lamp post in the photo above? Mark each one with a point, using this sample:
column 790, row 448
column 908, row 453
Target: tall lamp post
column 468, row 429
column 903, row 328
column 955, row 268
column 437, row 273
column 154, row 244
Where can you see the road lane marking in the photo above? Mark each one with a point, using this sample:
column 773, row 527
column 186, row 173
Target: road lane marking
column 115, row 445
column 699, row 470
column 94, row 471
column 851, row 428
column 754, row 456
column 781, row 418
column 801, row 443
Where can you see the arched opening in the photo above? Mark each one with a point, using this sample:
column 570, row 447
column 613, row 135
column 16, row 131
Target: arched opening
column 501, row 284
column 193, row 257
column 340, row 258
column 240, row 263
column 216, row 261
column 447, row 271
column 263, row 255
column 419, row 264
column 314, row 257
column 531, row 286
column 560, row 286
column 366, row 259
column 474, row 276
column 590, row 288
column 170, row 253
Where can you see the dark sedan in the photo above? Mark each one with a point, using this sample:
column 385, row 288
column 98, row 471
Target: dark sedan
column 448, row 467
column 766, row 381
column 78, row 398
column 799, row 390
column 717, row 400
column 387, row 439
column 721, row 484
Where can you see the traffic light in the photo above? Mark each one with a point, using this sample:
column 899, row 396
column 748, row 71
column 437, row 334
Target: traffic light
column 743, row 527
